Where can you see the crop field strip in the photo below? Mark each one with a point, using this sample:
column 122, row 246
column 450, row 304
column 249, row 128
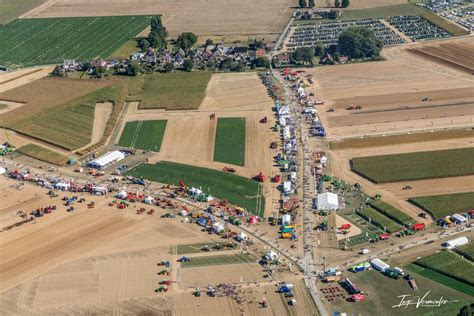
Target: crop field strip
column 392, row 213
column 467, row 251
column 229, row 146
column 42, row 154
column 176, row 91
column 146, row 135
column 443, row 205
column 46, row 41
column 451, row 264
column 218, row 260
column 378, row 219
column 11, row 9
column 415, row 166
column 236, row 189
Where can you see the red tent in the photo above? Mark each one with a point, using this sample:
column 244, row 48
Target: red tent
column 253, row 220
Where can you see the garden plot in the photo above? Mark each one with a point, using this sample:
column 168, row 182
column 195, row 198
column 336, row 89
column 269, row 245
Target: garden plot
column 47, row 41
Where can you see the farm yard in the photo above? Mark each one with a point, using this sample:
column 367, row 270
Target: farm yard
column 43, row 154
column 414, row 166
column 146, row 135
column 443, row 205
column 53, row 40
column 230, row 141
column 237, row 190
column 213, row 17
column 176, row 91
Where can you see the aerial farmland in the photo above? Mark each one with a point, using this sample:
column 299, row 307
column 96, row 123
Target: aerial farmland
column 277, row 157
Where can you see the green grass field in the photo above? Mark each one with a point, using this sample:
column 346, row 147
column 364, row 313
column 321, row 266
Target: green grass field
column 378, row 219
column 237, row 190
column 467, row 251
column 146, row 135
column 218, row 260
column 11, row 9
column 229, row 146
column 415, row 166
column 450, row 264
column 175, row 91
column 443, row 205
column 392, row 213
column 30, row 42
column 43, row 154
column 69, row 125
column 126, row 50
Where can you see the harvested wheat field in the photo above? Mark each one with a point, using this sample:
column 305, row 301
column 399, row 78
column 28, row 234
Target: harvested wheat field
column 362, row 4
column 394, row 98
column 202, row 18
column 456, row 54
column 14, row 79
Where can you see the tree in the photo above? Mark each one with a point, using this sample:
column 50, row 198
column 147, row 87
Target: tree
column 319, row 50
column 155, row 40
column 332, row 15
column 186, row 40
column 311, row 3
column 258, row 44
column 188, row 65
column 158, row 33
column 337, row 3
column 302, row 3
column 303, row 54
column 58, row 72
column 134, row 68
column 209, row 42
column 169, row 67
column 227, row 64
column 359, row 42
column 144, row 45
column 345, row 3
column 262, row 62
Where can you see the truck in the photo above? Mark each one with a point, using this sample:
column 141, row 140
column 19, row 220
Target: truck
column 361, row 267
column 332, row 278
column 418, row 226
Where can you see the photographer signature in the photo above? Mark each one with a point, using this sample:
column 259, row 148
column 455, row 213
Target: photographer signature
column 421, row 301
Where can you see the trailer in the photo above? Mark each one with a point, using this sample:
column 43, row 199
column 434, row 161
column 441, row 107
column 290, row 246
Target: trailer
column 379, row 264
column 418, row 226
column 361, row 267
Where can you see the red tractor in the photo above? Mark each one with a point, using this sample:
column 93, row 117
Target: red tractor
column 264, row 120
column 261, row 177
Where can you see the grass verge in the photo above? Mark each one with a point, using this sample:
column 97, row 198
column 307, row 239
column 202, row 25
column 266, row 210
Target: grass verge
column 218, row 260
column 443, row 205
column 236, row 189
column 229, row 146
column 43, row 154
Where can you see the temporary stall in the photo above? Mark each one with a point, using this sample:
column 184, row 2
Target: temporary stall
column 453, row 243
column 287, row 187
column 458, row 218
column 2, row 170
column 327, row 201
column 242, row 236
column 379, row 264
column 286, row 219
column 149, row 200
column 122, row 194
column 271, row 255
column 253, row 220
column 107, row 159
column 218, row 227
column 62, row 186
column 323, row 160
column 194, row 191
column 99, row 190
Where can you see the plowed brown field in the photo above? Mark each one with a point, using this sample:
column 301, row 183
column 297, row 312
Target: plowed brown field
column 458, row 55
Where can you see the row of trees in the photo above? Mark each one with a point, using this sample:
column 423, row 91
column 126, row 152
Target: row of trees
column 342, row 4
column 309, row 3
column 157, row 36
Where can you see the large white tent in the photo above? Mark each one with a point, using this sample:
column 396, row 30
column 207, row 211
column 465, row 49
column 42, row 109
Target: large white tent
column 327, row 201
column 107, row 159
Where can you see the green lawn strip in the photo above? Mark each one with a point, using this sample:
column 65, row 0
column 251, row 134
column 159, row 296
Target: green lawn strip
column 379, row 219
column 441, row 278
column 415, row 166
column 229, row 146
column 236, row 189
column 69, row 125
column 28, row 42
column 146, row 135
column 175, row 91
column 392, row 213
column 126, row 50
column 43, row 154
column 196, row 248
column 218, row 260
column 450, row 264
column 467, row 251
column 443, row 205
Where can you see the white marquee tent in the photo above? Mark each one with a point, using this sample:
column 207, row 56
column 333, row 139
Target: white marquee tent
column 327, row 201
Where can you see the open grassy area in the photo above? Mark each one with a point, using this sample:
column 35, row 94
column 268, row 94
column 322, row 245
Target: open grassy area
column 43, row 154
column 146, row 135
column 236, row 189
column 383, row 293
column 126, row 50
column 3, row 106
column 377, row 141
column 378, row 219
column 414, row 166
column 11, row 9
column 30, row 42
column 443, row 205
column 69, row 125
column 218, row 260
column 450, row 264
column 392, row 213
column 467, row 251
column 176, row 91
column 196, row 248
column 229, row 146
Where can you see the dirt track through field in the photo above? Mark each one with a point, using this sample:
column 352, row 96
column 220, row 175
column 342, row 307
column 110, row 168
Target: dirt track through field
column 211, row 17
column 101, row 117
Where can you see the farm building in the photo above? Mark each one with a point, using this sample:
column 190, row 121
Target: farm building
column 327, row 201
column 453, row 243
column 107, row 159
column 379, row 264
